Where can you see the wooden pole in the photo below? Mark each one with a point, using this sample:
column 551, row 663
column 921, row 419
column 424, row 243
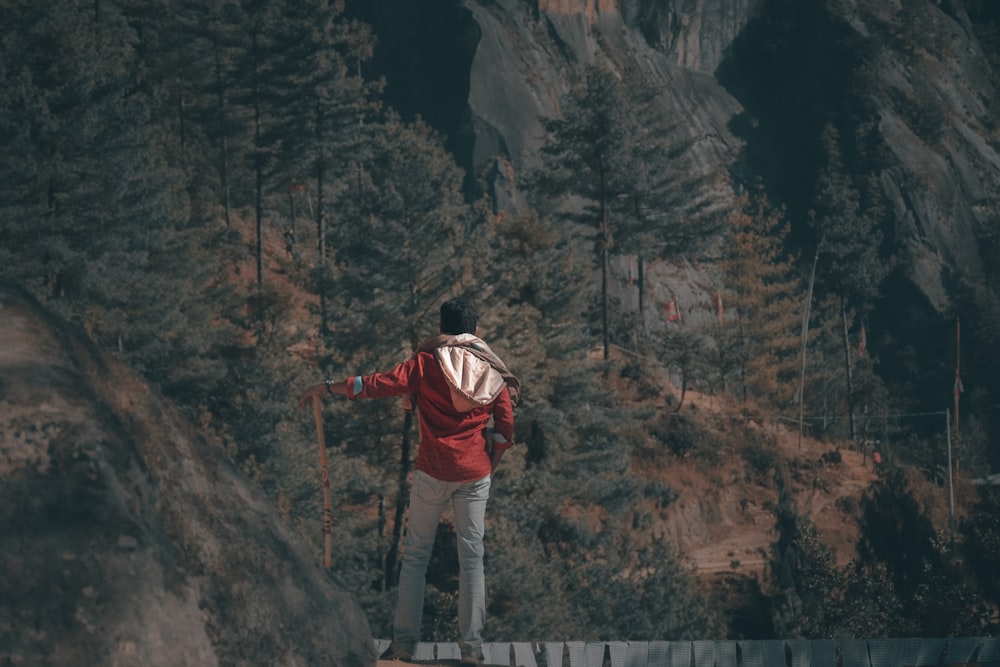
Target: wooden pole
column 958, row 388
column 327, row 510
column 805, row 340
column 951, row 485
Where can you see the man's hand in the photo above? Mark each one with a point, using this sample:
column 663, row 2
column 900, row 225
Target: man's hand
column 323, row 388
column 495, row 457
column 306, row 398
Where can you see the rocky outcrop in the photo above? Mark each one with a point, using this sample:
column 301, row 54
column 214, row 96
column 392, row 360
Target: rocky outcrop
column 694, row 34
column 125, row 539
column 934, row 94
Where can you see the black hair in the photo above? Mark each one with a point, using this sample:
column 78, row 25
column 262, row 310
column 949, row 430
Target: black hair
column 458, row 316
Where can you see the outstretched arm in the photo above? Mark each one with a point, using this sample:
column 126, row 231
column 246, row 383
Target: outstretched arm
column 396, row 382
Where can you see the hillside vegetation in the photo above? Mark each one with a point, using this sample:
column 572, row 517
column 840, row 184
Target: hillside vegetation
column 218, row 196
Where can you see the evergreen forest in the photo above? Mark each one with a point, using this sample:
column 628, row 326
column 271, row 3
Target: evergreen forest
column 217, row 193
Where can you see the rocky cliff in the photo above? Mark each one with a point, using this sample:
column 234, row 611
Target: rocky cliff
column 527, row 55
column 752, row 82
column 935, row 95
column 910, row 84
column 485, row 73
column 126, row 540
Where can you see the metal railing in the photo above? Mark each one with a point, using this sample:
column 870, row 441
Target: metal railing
column 983, row 651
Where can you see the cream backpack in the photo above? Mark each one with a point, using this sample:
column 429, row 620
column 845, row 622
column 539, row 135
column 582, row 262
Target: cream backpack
column 473, row 381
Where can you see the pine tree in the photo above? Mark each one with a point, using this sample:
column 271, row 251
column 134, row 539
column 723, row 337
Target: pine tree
column 806, row 581
column 685, row 351
column 849, row 239
column 981, row 544
column 396, row 236
column 871, row 607
column 762, row 303
column 178, row 46
column 898, row 536
column 219, row 41
column 614, row 148
column 586, row 155
column 53, row 110
column 659, row 214
column 320, row 105
column 896, row 533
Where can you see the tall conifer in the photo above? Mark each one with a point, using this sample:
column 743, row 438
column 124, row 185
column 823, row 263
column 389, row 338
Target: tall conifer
column 396, row 233
column 94, row 205
column 610, row 164
column 320, row 105
column 849, row 239
column 762, row 303
column 586, row 155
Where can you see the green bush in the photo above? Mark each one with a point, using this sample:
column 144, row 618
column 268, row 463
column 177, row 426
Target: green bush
column 761, row 457
column 684, row 437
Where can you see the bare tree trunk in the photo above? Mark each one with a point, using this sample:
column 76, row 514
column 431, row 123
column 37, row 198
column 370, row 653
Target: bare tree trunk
column 605, row 241
column 805, row 340
column 380, row 546
column 684, row 387
column 640, row 282
column 259, row 180
column 605, row 320
column 402, row 497
column 850, row 373
column 321, row 252
column 223, row 143
column 182, row 124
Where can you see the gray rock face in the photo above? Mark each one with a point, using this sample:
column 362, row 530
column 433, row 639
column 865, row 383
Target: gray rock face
column 528, row 53
column 931, row 85
column 933, row 89
column 694, row 34
column 126, row 540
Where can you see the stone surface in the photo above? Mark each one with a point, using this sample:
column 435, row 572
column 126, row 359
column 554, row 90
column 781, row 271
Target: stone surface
column 126, row 540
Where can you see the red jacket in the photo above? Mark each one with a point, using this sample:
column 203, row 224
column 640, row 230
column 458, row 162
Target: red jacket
column 452, row 444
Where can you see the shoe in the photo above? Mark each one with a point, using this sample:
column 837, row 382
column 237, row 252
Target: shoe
column 472, row 656
column 398, row 651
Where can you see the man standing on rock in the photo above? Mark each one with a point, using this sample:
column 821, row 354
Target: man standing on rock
column 457, row 384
